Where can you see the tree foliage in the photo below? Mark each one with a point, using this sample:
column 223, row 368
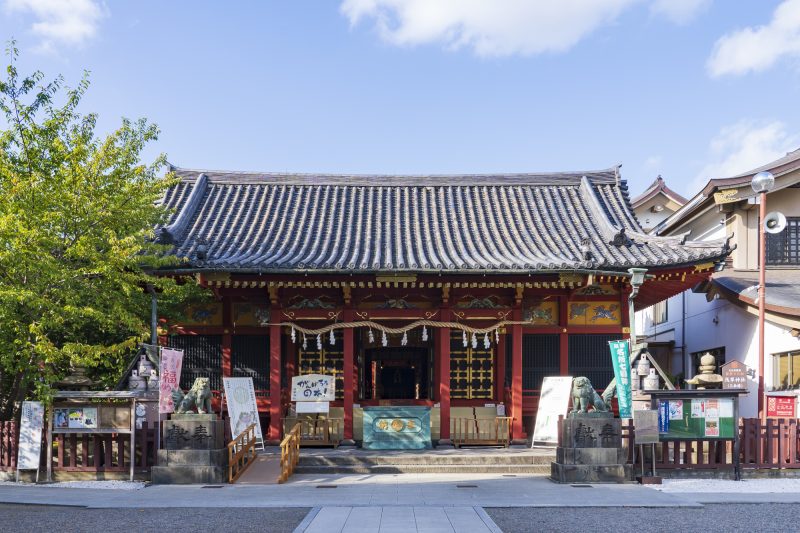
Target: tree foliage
column 77, row 213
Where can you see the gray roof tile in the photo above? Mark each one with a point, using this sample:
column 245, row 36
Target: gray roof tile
column 509, row 222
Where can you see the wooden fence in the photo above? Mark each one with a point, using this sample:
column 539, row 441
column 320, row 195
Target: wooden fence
column 481, row 431
column 241, row 453
column 290, row 453
column 8, row 445
column 104, row 452
column 770, row 444
column 774, row 444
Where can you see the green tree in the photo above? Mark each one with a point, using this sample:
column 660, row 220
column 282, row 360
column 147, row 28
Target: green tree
column 77, row 213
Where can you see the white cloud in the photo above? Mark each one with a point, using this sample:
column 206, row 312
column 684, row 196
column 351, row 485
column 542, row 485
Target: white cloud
column 679, row 11
column 757, row 48
column 488, row 27
column 744, row 146
column 61, row 22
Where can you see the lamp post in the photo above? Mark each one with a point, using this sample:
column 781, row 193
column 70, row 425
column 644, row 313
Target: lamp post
column 762, row 183
column 637, row 278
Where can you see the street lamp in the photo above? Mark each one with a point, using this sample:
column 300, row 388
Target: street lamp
column 762, row 183
column 637, row 278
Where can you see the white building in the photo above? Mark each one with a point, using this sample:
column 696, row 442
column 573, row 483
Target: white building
column 721, row 316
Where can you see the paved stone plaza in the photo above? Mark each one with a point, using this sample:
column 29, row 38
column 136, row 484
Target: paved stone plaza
column 407, row 502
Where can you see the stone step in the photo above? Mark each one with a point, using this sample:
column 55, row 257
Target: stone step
column 530, row 469
column 425, row 460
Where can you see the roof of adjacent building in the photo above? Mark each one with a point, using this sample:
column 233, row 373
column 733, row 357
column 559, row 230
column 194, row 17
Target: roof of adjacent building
column 276, row 222
column 782, row 289
column 658, row 186
column 782, row 168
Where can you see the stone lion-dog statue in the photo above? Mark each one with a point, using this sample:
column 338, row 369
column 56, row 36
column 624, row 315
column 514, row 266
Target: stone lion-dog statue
column 198, row 397
column 584, row 396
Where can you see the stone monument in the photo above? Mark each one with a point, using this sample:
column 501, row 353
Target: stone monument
column 707, row 378
column 194, row 448
column 590, row 442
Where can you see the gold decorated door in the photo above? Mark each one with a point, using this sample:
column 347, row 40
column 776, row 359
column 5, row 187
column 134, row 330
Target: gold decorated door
column 326, row 358
column 471, row 368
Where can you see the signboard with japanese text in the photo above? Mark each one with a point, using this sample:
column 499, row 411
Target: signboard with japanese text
column 240, row 396
column 620, row 358
column 698, row 418
column 553, row 402
column 781, row 406
column 30, row 436
column 313, row 388
column 734, row 375
column 169, row 370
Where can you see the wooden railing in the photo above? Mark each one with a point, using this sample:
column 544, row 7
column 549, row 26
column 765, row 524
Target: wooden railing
column 481, row 431
column 770, row 444
column 104, row 452
column 290, row 453
column 8, row 445
column 318, row 431
column 241, row 453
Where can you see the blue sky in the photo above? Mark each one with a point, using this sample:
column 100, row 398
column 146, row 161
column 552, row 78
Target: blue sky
column 689, row 89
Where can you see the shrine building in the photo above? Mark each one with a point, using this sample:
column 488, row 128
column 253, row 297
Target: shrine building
column 454, row 292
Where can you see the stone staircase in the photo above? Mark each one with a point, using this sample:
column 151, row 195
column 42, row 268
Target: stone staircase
column 463, row 461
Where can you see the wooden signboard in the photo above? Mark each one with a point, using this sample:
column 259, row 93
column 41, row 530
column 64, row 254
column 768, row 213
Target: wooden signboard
column 734, row 375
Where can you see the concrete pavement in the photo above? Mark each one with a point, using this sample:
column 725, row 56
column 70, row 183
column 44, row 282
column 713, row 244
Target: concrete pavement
column 384, row 490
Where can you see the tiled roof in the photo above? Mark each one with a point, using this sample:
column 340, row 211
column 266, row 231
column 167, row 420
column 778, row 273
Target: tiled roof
column 658, row 186
column 253, row 222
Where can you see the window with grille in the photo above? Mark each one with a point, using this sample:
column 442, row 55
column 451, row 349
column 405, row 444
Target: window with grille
column 784, row 248
column 202, row 357
column 540, row 358
column 250, row 358
column 590, row 356
column 786, row 370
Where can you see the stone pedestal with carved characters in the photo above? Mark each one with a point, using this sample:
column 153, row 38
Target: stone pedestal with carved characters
column 194, row 451
column 590, row 451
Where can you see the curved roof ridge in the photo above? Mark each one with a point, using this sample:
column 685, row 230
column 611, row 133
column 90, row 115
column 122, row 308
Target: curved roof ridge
column 608, row 175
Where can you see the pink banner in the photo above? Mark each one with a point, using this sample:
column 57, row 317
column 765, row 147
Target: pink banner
column 170, row 371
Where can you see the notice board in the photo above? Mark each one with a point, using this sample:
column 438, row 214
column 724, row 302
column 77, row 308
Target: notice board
column 696, row 418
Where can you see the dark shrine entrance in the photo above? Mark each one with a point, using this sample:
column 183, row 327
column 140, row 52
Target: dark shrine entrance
column 397, row 373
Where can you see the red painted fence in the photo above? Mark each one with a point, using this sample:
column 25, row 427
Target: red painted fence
column 771, row 444
column 8, row 445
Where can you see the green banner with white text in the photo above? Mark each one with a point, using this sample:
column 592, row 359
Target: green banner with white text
column 620, row 358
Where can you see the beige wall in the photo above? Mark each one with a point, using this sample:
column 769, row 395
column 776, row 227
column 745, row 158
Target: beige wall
column 744, row 223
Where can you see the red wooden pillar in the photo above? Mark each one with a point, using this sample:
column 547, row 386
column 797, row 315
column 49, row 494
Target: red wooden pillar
column 444, row 380
column 349, row 357
column 563, row 338
column 500, row 378
column 516, row 379
column 226, row 353
column 275, row 418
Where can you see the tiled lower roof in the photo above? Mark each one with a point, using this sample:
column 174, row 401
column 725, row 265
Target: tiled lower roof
column 468, row 223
